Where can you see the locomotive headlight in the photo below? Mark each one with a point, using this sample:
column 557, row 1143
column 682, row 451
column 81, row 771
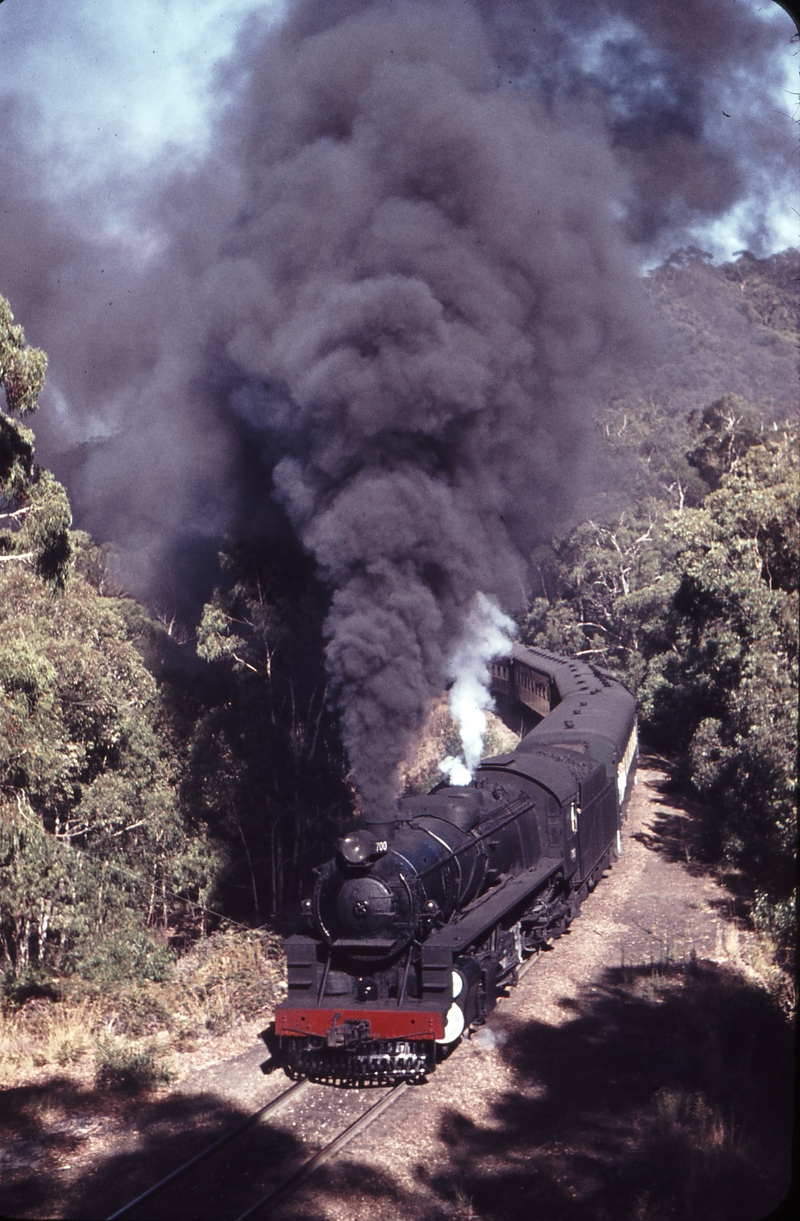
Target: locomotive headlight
column 359, row 847
column 458, row 984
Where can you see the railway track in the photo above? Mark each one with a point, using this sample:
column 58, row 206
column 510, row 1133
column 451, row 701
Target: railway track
column 316, row 1108
column 160, row 1197
column 271, row 1108
column 293, row 1181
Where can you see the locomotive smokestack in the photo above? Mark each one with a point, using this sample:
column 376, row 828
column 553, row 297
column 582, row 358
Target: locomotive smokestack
column 381, row 823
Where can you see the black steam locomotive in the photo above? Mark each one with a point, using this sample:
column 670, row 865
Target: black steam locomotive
column 421, row 920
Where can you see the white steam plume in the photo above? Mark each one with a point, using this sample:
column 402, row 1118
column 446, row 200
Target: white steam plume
column 487, row 634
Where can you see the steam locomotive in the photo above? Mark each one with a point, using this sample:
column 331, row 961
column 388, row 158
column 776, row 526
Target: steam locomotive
column 423, row 918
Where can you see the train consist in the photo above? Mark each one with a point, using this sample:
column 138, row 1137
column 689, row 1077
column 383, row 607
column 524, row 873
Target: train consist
column 422, row 919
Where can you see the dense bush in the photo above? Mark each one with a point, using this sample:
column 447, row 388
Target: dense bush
column 129, row 1069
column 696, row 609
column 92, row 843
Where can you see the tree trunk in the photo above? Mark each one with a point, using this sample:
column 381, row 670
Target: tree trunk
column 256, row 903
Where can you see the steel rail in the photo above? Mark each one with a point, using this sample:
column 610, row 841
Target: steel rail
column 528, row 966
column 308, row 1167
column 269, row 1108
column 330, row 1150
column 344, row 1138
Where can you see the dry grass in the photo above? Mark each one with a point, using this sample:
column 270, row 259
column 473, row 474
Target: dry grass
column 123, row 1034
column 696, row 1150
column 46, row 1032
column 758, row 956
column 685, row 1116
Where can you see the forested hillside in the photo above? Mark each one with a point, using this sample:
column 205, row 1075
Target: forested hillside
column 682, row 572
column 92, row 844
column 159, row 779
column 142, row 790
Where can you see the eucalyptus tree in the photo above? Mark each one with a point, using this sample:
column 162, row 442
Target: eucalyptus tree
column 93, row 848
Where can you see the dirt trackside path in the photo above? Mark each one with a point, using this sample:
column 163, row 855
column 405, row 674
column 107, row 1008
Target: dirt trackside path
column 640, row 1070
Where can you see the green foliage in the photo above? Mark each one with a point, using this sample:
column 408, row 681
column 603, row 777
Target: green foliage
column 90, row 829
column 696, row 609
column 265, row 768
column 129, row 1069
column 22, row 369
column 76, row 730
column 127, row 952
column 728, row 428
column 35, row 516
column 92, row 844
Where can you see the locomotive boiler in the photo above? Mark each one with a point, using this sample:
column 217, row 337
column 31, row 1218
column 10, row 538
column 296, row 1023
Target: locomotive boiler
column 423, row 918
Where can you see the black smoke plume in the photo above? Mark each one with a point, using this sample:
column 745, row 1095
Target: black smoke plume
column 391, row 290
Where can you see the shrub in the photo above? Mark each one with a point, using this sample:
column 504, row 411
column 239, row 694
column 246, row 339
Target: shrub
column 126, row 954
column 128, row 1068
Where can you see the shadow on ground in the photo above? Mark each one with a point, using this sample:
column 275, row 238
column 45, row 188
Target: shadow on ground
column 665, row 1095
column 677, row 832
column 45, row 1127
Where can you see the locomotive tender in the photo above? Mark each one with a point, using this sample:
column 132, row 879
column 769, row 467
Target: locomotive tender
column 422, row 919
